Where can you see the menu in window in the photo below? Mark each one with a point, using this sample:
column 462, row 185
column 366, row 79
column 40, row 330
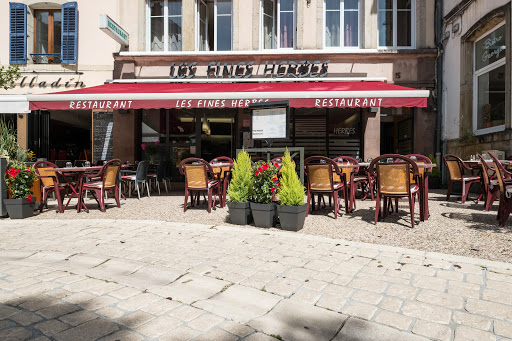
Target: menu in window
column 269, row 123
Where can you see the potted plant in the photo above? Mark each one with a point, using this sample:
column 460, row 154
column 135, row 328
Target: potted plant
column 240, row 190
column 151, row 149
column 291, row 209
column 265, row 184
column 434, row 179
column 19, row 179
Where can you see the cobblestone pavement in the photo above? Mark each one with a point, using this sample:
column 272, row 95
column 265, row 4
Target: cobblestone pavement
column 150, row 280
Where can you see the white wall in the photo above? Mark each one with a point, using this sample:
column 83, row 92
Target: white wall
column 452, row 59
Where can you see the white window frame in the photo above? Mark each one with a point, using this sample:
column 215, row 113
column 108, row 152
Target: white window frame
column 277, row 26
column 477, row 74
column 395, row 28
column 197, row 26
column 342, row 21
column 166, row 17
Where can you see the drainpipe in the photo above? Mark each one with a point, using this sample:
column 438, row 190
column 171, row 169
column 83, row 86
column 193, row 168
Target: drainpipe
column 439, row 77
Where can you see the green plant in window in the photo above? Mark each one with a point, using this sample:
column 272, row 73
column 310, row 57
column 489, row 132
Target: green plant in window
column 291, row 191
column 240, row 188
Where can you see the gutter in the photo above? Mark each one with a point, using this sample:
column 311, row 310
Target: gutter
column 439, row 80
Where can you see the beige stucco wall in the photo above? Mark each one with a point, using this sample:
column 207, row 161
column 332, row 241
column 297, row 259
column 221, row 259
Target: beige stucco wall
column 95, row 48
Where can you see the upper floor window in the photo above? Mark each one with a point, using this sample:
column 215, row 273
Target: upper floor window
column 490, row 80
column 342, row 23
column 55, row 34
column 215, row 25
column 165, row 25
column 278, row 24
column 396, row 20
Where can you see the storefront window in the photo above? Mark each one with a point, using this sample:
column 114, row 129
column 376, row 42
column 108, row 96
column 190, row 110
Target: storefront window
column 165, row 25
column 215, row 21
column 342, row 18
column 344, row 132
column 47, row 34
column 396, row 23
column 278, row 24
column 490, row 52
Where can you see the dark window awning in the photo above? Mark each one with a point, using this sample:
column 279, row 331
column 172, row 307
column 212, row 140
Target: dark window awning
column 231, row 95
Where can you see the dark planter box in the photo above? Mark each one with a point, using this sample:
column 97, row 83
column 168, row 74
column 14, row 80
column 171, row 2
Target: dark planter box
column 264, row 215
column 3, row 187
column 20, row 208
column 292, row 217
column 434, row 182
column 239, row 213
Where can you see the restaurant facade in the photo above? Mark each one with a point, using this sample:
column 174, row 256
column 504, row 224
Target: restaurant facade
column 358, row 75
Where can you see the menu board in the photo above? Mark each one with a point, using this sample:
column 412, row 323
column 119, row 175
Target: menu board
column 102, row 139
column 269, row 123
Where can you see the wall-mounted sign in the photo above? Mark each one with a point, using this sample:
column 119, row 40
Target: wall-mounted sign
column 115, row 31
column 270, row 69
column 34, row 82
column 271, row 121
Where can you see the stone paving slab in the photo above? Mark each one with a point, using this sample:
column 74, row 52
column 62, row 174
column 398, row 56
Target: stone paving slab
column 61, row 280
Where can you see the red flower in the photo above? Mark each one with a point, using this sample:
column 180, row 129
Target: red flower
column 13, row 172
column 278, row 184
column 265, row 167
column 143, row 146
column 29, row 198
column 276, row 165
column 273, row 189
column 157, row 143
column 260, row 170
column 274, row 178
column 256, row 173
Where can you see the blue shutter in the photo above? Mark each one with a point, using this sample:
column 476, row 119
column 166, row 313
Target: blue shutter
column 69, row 34
column 18, row 33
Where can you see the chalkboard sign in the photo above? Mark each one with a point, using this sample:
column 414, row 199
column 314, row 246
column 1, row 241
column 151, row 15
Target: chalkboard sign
column 102, row 136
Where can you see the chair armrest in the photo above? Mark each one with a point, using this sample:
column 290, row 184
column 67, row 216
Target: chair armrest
column 128, row 171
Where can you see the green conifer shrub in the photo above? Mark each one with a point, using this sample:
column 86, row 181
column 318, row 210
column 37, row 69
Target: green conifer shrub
column 240, row 188
column 291, row 191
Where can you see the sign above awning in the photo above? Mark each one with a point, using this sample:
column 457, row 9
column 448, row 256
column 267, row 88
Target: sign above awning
column 231, row 95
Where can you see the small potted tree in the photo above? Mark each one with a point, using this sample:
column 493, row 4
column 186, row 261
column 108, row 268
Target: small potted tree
column 265, row 184
column 20, row 179
column 291, row 209
column 240, row 190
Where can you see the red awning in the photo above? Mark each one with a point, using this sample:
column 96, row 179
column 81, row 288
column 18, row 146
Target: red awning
column 231, row 95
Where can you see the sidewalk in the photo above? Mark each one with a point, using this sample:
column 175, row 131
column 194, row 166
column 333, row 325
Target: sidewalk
column 148, row 280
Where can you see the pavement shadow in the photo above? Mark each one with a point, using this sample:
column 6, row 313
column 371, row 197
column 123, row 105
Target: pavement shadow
column 478, row 221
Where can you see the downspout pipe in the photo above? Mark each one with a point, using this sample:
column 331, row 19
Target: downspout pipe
column 439, row 76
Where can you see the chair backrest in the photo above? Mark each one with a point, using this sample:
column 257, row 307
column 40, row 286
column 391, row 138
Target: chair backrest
column 500, row 173
column 79, row 163
column 394, row 178
column 227, row 162
column 279, row 161
column 160, row 170
column 44, row 170
column 196, row 172
column 348, row 160
column 421, row 159
column 485, row 172
column 110, row 173
column 320, row 170
column 142, row 171
column 454, row 165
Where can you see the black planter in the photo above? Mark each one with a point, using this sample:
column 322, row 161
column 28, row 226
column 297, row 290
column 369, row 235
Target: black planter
column 20, row 208
column 264, row 215
column 292, row 217
column 239, row 213
column 434, row 182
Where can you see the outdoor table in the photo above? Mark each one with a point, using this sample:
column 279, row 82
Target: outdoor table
column 80, row 172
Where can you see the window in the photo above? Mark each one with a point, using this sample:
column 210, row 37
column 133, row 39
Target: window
column 47, row 36
column 396, row 20
column 165, row 25
column 489, row 81
column 342, row 22
column 214, row 25
column 55, row 34
column 278, row 24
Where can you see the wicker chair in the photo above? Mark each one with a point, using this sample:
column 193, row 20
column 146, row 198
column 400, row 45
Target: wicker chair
column 158, row 175
column 491, row 184
column 223, row 174
column 320, row 172
column 109, row 181
column 423, row 172
column 456, row 169
column 197, row 172
column 353, row 178
column 393, row 181
column 503, row 176
column 50, row 183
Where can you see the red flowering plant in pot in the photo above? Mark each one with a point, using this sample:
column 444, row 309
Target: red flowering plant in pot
column 265, row 185
column 19, row 179
column 151, row 149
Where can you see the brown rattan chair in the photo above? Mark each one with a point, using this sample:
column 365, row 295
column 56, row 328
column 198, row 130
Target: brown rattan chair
column 503, row 176
column 491, row 184
column 108, row 180
column 424, row 173
column 223, row 174
column 279, row 161
column 393, row 181
column 50, row 183
column 353, row 178
column 456, row 168
column 320, row 171
column 198, row 174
